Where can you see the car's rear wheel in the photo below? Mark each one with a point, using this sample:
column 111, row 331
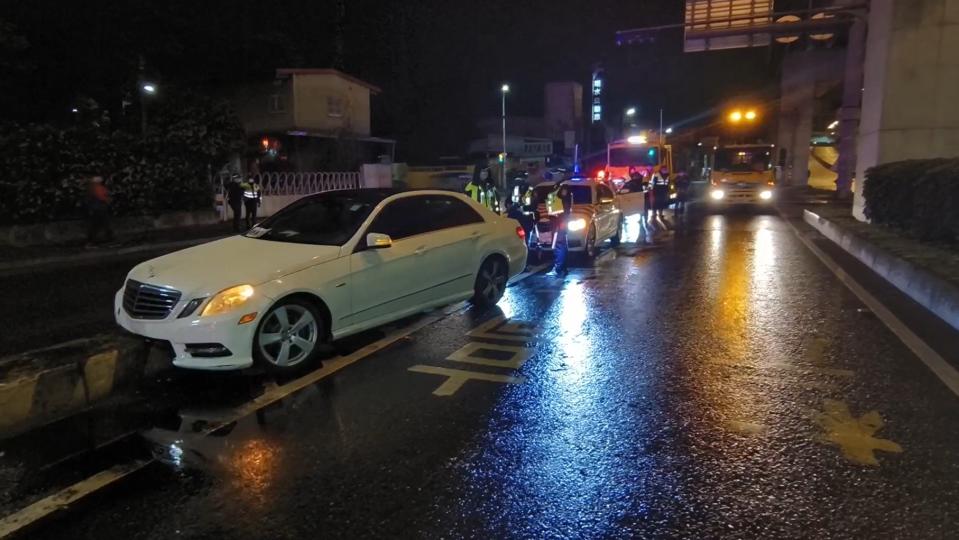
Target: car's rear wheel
column 490, row 282
column 289, row 336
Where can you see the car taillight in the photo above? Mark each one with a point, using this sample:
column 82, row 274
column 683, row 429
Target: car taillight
column 521, row 233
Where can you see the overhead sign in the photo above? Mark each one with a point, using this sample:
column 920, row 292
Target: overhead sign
column 715, row 24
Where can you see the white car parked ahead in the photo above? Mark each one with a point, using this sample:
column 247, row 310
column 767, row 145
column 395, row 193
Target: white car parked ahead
column 327, row 266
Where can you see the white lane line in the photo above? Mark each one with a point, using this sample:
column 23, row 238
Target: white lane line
column 946, row 373
column 15, row 522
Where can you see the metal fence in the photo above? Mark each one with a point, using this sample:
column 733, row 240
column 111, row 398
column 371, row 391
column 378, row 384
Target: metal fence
column 283, row 187
column 298, row 183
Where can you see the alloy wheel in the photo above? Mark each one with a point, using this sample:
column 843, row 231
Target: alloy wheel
column 288, row 335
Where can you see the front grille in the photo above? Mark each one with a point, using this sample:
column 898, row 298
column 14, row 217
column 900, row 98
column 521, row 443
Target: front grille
column 143, row 301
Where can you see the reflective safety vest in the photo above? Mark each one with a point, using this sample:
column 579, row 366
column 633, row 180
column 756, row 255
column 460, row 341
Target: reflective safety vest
column 528, row 196
column 659, row 180
column 554, row 203
column 491, row 199
column 474, row 191
column 250, row 190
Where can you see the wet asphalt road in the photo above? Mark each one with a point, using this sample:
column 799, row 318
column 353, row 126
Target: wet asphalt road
column 719, row 382
column 53, row 305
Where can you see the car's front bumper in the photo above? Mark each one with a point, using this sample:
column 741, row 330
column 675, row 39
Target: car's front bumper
column 733, row 196
column 193, row 330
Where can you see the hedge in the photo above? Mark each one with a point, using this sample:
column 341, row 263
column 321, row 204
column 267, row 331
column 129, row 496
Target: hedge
column 44, row 168
column 920, row 196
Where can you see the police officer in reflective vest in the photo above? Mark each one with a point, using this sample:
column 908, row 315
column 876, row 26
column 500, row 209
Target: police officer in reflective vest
column 474, row 188
column 660, row 182
column 559, row 204
column 251, row 200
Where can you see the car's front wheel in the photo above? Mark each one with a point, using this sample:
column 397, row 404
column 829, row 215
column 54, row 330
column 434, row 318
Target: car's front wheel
column 289, row 336
column 490, row 282
column 589, row 248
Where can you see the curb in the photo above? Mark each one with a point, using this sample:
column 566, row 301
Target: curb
column 96, row 369
column 32, row 264
column 934, row 293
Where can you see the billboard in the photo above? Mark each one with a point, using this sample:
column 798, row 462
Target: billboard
column 712, row 24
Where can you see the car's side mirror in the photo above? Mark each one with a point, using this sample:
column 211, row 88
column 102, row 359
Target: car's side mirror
column 378, row 241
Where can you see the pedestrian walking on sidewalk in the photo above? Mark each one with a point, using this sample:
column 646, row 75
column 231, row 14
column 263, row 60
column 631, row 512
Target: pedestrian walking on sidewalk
column 98, row 211
column 234, row 196
column 251, row 199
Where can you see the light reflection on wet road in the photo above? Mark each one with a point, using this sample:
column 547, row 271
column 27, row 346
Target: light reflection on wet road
column 670, row 391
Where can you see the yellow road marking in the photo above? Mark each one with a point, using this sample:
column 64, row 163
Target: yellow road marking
column 854, row 436
column 499, row 328
column 456, row 378
column 465, row 354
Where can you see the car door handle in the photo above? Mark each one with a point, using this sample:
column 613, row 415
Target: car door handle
column 420, row 250
column 474, row 234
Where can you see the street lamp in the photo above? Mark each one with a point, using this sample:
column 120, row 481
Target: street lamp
column 503, row 91
column 736, row 116
column 669, row 130
column 750, row 115
column 631, row 111
column 146, row 89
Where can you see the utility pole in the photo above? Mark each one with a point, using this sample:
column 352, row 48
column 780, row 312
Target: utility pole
column 504, row 90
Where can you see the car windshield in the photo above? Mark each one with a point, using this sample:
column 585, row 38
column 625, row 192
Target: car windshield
column 742, row 159
column 633, row 155
column 329, row 219
column 581, row 194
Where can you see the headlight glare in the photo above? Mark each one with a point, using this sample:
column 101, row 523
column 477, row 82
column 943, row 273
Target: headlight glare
column 766, row 194
column 717, row 194
column 577, row 225
column 228, row 300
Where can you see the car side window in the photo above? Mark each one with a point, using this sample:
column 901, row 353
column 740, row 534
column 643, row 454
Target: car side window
column 448, row 212
column 605, row 192
column 400, row 219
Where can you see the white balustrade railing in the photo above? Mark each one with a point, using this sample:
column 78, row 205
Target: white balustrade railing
column 278, row 189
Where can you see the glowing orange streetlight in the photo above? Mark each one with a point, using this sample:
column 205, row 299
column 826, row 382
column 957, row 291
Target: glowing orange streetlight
column 750, row 115
column 736, row 116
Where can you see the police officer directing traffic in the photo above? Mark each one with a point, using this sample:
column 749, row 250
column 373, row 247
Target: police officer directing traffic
column 560, row 204
column 660, row 183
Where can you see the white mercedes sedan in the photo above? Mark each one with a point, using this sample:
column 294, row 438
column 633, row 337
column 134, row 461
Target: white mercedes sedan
column 327, row 266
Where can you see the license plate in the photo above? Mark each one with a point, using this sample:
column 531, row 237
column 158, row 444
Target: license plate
column 545, row 237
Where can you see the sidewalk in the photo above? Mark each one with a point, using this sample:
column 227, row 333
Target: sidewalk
column 17, row 259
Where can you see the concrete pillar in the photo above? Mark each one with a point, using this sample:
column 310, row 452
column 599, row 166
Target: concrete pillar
column 911, row 81
column 803, row 73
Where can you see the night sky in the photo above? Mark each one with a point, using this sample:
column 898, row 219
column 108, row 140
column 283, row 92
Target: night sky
column 440, row 64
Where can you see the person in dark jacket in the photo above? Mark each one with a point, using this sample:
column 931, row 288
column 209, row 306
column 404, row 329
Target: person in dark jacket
column 234, row 196
column 98, row 211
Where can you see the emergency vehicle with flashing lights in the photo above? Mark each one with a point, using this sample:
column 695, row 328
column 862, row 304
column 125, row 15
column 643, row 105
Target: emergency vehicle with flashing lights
column 594, row 218
column 635, row 154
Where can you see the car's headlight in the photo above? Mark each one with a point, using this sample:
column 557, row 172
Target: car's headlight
column 228, row 300
column 577, row 225
column 766, row 194
column 717, row 194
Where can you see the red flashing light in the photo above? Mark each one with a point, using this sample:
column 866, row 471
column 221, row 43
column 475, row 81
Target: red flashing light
column 601, row 174
column 521, row 233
